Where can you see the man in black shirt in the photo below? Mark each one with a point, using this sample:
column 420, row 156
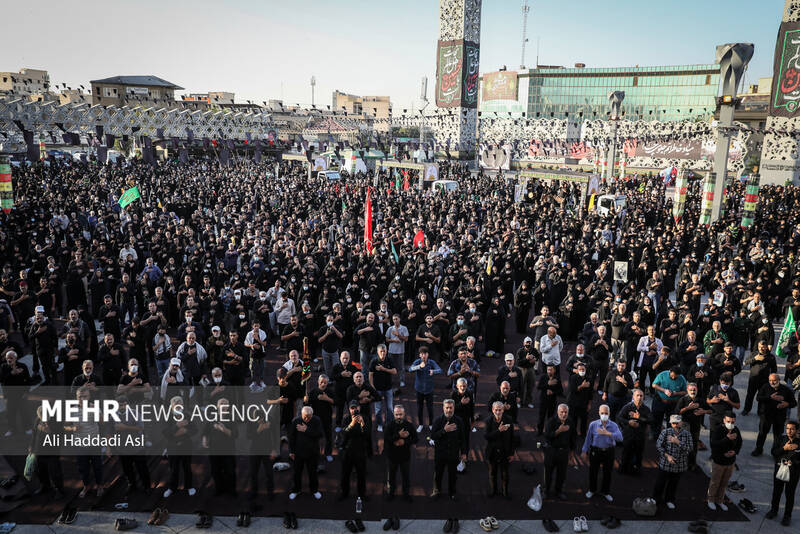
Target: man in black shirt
column 528, row 360
column 321, row 400
column 550, row 388
column 510, row 373
column 509, row 399
column 726, row 442
column 618, row 382
column 693, row 409
column 561, row 438
column 762, row 362
column 356, row 445
column 499, row 448
column 330, row 338
column 368, row 336
column 449, row 447
column 429, row 335
column 579, row 398
column 111, row 360
column 633, row 420
column 722, row 398
column 381, row 371
column 292, row 335
column 342, row 376
column 304, row 435
column 775, row 401
column 399, row 436
column 235, row 360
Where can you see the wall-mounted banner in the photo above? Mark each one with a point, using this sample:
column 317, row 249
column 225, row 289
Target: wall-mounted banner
column 457, row 71
column 786, row 72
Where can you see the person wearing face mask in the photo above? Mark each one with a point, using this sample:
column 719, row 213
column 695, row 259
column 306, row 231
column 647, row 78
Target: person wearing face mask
column 330, row 339
column 217, row 387
column 674, row 444
column 693, row 408
column 786, row 452
column 528, row 362
column 762, row 363
column 775, row 402
column 400, row 436
column 602, row 437
column 579, row 397
column 284, row 310
column 133, row 385
column 722, row 398
column 726, row 442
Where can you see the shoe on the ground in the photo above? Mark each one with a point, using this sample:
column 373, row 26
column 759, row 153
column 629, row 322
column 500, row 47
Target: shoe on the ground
column 329, row 458
column 748, row 506
column 351, row 526
column 380, row 428
column 192, row 492
column 484, row 524
column 495, row 524
column 419, row 429
column 125, row 524
column 292, row 496
column 711, row 506
column 589, row 494
column 359, row 525
column 387, row 525
column 584, row 524
column 456, row 527
column 287, row 522
column 530, row 405
column 337, row 429
column 757, row 452
column 608, row 497
column 293, row 519
column 772, row 514
column 613, row 522
column 83, row 492
column 786, row 521
column 576, row 524
column 240, row 519
column 395, row 523
column 154, row 516
column 162, row 517
column 698, row 529
column 317, row 495
column 671, row 505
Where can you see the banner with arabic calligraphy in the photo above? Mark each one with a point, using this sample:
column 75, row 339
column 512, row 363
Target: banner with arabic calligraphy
column 457, row 71
column 679, row 200
column 707, row 199
column 786, row 82
column 750, row 202
column 501, row 85
column 449, row 64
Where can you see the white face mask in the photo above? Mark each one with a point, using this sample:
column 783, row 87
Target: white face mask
column 241, row 316
column 581, row 373
column 329, row 323
column 730, row 426
column 217, row 379
column 134, row 368
column 604, row 417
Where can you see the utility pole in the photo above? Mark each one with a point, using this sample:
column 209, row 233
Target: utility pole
column 525, row 10
column 424, row 98
column 313, row 83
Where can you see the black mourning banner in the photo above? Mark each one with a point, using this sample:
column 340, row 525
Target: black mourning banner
column 785, row 99
column 110, row 140
column 159, row 132
column 223, row 157
column 99, row 131
column 102, row 155
column 184, row 155
column 257, row 156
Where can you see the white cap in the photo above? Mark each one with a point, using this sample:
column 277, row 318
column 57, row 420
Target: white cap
column 39, row 309
column 175, row 361
column 216, row 329
column 527, row 340
column 509, row 356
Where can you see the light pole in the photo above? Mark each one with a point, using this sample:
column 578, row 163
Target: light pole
column 313, row 83
column 424, row 97
column 615, row 99
column 732, row 59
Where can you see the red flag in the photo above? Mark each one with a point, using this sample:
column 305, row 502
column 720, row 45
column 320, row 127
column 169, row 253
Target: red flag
column 405, row 180
column 419, row 239
column 368, row 224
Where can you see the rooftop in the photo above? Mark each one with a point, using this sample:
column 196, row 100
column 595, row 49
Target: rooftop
column 148, row 81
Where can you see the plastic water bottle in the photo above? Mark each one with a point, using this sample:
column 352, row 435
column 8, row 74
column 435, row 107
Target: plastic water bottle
column 359, row 506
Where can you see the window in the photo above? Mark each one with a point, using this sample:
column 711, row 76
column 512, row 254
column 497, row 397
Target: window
column 108, row 92
column 708, row 79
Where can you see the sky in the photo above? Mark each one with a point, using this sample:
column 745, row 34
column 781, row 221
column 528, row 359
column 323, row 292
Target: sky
column 270, row 49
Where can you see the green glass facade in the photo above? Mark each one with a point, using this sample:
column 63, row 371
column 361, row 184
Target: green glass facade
column 667, row 93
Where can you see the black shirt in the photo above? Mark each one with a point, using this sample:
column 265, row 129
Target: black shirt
column 402, row 452
column 564, row 440
column 381, row 380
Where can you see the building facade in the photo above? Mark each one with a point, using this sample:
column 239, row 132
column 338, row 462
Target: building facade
column 212, row 97
column 26, row 82
column 134, row 90
column 663, row 93
column 370, row 107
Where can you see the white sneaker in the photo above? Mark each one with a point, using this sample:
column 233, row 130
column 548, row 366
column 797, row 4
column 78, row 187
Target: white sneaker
column 419, row 429
column 318, row 495
column 474, row 429
column 430, row 428
column 576, row 524
column 584, row 523
column 723, row 507
column 402, row 384
column 380, row 428
column 292, row 496
column 711, row 506
column 337, row 429
column 461, row 466
column 589, row 494
column 253, row 387
column 671, row 506
column 530, row 405
column 329, row 458
column 167, row 493
column 192, row 492
column 608, row 497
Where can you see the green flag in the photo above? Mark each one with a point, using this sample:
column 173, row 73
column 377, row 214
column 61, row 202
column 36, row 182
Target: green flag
column 394, row 253
column 789, row 328
column 129, row 196
column 344, row 206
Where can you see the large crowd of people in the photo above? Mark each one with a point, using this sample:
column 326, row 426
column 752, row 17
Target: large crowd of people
column 215, row 269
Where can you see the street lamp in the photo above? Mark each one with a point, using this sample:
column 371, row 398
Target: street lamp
column 313, row 83
column 615, row 99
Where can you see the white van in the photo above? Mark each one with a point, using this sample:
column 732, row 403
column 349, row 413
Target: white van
column 329, row 175
column 445, row 185
column 606, row 202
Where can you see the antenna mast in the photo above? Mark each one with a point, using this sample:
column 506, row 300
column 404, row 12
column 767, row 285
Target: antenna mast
column 525, row 10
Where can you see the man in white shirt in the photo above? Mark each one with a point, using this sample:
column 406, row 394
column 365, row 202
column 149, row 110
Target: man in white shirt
column 284, row 309
column 256, row 341
column 550, row 346
column 396, row 337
